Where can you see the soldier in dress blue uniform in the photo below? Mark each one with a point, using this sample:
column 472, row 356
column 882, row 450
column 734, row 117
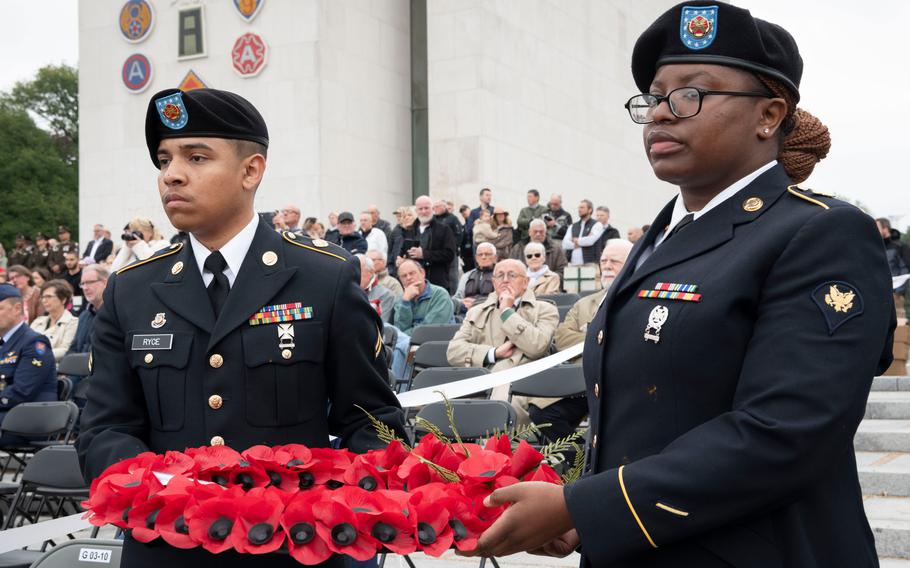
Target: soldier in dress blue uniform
column 729, row 365
column 27, row 369
column 243, row 336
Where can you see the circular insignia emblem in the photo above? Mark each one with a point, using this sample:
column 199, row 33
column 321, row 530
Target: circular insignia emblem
column 753, row 204
column 177, row 268
column 320, row 243
column 171, row 112
column 136, row 20
column 699, row 26
column 249, row 55
column 269, row 258
column 136, row 73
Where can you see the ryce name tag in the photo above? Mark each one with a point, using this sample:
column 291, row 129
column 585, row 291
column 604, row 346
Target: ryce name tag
column 153, row 341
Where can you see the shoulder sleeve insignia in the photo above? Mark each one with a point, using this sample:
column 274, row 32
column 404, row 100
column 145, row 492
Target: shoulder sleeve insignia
column 40, row 347
column 799, row 192
column 302, row 244
column 838, row 302
column 173, row 249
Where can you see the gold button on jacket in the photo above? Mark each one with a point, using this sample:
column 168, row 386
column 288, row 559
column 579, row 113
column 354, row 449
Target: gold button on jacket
column 216, row 361
column 215, row 402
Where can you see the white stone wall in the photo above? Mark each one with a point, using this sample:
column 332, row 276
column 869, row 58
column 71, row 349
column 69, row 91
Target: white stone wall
column 529, row 94
column 335, row 95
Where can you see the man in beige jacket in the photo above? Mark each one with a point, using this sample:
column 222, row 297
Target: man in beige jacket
column 565, row 414
column 509, row 329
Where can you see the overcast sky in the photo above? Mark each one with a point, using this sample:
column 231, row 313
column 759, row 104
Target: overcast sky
column 852, row 80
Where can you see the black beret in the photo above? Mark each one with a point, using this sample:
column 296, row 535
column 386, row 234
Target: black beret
column 201, row 113
column 719, row 34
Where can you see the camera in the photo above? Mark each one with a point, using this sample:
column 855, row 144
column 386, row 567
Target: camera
column 131, row 235
column 547, row 217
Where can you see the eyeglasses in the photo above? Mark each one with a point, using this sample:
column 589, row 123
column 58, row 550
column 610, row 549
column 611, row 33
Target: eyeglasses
column 533, row 255
column 85, row 283
column 485, row 254
column 685, row 102
column 48, row 296
column 507, row 276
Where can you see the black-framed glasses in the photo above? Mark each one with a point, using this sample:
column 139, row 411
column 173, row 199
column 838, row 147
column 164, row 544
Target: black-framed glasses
column 684, row 102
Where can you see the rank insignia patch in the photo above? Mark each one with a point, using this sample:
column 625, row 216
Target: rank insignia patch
column 838, row 302
column 280, row 313
column 698, row 26
column 172, row 111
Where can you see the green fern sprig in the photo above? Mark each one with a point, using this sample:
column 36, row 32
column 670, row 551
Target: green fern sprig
column 450, row 415
column 574, row 473
column 383, row 431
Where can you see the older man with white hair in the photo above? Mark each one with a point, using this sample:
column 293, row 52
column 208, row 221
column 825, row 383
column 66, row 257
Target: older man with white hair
column 382, row 300
column 382, row 273
column 476, row 284
column 510, row 328
column 537, row 233
column 431, row 244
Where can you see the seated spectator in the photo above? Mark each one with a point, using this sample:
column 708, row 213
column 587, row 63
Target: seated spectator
column 476, row 284
column 27, row 367
column 385, row 279
column 375, row 237
column 508, row 329
column 21, row 278
column 40, row 276
column 291, row 217
column 566, row 414
column 423, row 303
column 315, row 230
column 537, row 233
column 140, row 240
column 634, row 233
column 432, row 244
column 59, row 325
column 541, row 280
column 94, row 280
column 382, row 300
column 346, row 237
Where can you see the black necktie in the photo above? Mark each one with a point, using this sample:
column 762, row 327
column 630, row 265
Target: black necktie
column 683, row 223
column 219, row 287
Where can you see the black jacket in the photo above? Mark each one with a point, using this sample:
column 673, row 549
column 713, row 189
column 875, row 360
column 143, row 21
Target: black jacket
column 161, row 399
column 438, row 244
column 729, row 442
column 104, row 249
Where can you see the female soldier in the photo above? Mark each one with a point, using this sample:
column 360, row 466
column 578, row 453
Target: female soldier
column 729, row 366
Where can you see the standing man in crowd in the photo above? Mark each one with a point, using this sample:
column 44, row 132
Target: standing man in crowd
column 382, row 273
column 558, row 220
column 348, row 238
column 486, row 199
column 375, row 238
column 508, row 329
column 537, row 233
column 28, row 372
column 379, row 222
column 476, row 284
column 99, row 248
column 581, row 240
column 231, row 376
column 634, row 233
column 442, row 215
column 430, row 243
column 898, row 260
column 534, row 210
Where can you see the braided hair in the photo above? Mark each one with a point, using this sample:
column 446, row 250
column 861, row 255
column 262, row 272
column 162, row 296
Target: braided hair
column 805, row 140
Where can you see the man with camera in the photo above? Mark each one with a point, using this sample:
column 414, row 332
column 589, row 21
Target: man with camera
column 558, row 220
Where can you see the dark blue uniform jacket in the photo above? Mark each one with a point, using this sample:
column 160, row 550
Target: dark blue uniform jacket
column 28, row 372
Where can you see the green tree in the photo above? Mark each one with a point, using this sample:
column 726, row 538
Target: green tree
column 53, row 96
column 38, row 186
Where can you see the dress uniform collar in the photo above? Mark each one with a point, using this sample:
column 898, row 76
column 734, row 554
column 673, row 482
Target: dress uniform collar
column 8, row 336
column 234, row 251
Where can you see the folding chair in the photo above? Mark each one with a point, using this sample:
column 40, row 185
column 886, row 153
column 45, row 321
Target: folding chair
column 74, row 364
column 83, row 551
column 43, row 423
column 565, row 299
column 474, row 419
column 429, row 354
column 438, row 376
column 433, row 332
column 64, row 388
column 563, row 310
column 51, row 482
column 561, row 381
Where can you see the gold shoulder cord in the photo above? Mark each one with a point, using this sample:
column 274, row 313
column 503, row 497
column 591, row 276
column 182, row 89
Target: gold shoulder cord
column 174, row 249
column 792, row 191
column 308, row 247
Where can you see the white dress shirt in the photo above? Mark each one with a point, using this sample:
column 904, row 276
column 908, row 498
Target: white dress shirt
column 234, row 251
column 376, row 240
column 577, row 258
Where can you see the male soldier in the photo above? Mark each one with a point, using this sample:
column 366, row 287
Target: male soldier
column 41, row 255
column 243, row 336
column 63, row 246
column 22, row 254
column 27, row 369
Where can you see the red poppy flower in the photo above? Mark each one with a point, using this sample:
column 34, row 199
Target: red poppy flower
column 211, row 521
column 544, row 473
column 483, row 467
column 274, row 463
column 256, row 527
column 396, row 523
column 114, row 495
column 501, row 444
column 174, row 463
column 391, row 456
column 299, row 523
column 329, row 466
column 524, row 459
column 414, row 471
column 215, row 463
column 466, row 521
column 366, row 475
column 142, row 517
column 434, row 535
column 170, row 522
column 339, row 528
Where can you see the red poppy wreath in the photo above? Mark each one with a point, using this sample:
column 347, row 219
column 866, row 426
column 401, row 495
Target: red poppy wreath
column 315, row 502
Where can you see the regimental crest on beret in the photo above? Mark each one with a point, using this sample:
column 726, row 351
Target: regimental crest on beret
column 698, row 26
column 172, row 111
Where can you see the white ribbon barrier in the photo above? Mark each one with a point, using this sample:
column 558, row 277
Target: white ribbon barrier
column 898, row 281
column 457, row 389
column 11, row 539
